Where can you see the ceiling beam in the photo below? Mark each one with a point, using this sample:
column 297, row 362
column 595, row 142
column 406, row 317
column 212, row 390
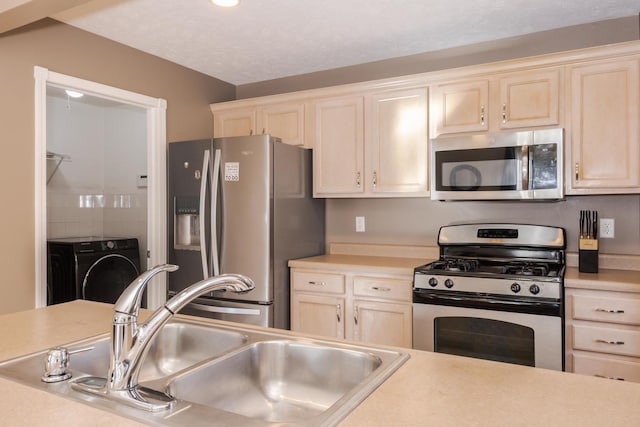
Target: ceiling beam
column 16, row 13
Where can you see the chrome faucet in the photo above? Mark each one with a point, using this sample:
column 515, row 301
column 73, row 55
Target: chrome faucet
column 130, row 340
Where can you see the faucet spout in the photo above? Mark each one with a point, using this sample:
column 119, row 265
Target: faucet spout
column 131, row 298
column 130, row 341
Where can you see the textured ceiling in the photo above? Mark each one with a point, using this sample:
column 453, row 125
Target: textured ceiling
column 266, row 39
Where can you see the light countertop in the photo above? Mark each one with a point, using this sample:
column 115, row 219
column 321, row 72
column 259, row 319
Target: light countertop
column 429, row 389
column 364, row 263
column 604, row 279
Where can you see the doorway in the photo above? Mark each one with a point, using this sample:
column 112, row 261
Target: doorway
column 149, row 184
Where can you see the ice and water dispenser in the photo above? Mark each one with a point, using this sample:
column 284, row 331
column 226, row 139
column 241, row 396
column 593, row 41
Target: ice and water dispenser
column 186, row 223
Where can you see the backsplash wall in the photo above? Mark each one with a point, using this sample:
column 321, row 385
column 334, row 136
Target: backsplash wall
column 416, row 221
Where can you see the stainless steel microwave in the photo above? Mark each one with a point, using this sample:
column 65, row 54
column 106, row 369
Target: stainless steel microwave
column 523, row 165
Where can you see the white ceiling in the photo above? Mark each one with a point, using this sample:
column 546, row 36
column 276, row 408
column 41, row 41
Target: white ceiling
column 267, row 39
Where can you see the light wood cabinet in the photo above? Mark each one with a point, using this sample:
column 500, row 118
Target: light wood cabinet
column 496, row 102
column 318, row 303
column 397, row 143
column 604, row 100
column 459, row 107
column 338, row 156
column 235, row 122
column 381, row 313
column 368, row 308
column 285, row 120
column 603, row 334
column 317, row 314
column 372, row 145
column 370, row 139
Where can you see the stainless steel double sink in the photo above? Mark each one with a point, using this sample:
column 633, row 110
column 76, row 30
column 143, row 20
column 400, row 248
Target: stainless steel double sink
column 227, row 375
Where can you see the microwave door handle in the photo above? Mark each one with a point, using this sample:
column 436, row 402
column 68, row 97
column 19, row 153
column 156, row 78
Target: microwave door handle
column 204, row 178
column 214, row 214
column 524, row 161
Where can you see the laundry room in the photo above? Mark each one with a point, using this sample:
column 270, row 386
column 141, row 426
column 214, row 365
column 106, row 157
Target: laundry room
column 96, row 193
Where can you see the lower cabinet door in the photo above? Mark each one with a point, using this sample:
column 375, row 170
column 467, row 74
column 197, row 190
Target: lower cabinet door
column 317, row 315
column 383, row 323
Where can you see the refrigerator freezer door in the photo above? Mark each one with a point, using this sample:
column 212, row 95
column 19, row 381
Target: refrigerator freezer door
column 244, row 212
column 186, row 239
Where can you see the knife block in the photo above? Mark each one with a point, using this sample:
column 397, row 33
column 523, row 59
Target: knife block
column 588, row 256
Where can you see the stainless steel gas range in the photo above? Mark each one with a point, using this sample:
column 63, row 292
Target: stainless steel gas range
column 495, row 293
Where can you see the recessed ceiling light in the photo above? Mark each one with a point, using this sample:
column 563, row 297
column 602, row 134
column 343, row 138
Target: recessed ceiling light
column 74, row 94
column 225, row 3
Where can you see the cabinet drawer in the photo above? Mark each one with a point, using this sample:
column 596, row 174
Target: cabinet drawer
column 318, row 282
column 377, row 287
column 613, row 310
column 606, row 340
column 606, row 368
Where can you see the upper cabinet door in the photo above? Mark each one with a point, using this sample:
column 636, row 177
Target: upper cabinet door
column 285, row 121
column 397, row 142
column 236, row 122
column 529, row 99
column 460, row 107
column 338, row 156
column 605, row 146
column 517, row 100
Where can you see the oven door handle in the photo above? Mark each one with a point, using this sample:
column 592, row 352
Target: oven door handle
column 512, row 302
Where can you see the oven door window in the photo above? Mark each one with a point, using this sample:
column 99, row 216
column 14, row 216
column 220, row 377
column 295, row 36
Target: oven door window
column 486, row 169
column 485, row 339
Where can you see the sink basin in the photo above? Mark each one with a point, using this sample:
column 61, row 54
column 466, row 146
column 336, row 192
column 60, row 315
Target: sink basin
column 177, row 346
column 227, row 376
column 277, row 381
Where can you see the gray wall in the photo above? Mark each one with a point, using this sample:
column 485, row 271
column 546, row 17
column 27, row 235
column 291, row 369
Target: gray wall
column 416, row 221
column 74, row 52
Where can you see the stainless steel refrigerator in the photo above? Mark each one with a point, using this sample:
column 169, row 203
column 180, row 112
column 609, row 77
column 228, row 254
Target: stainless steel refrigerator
column 241, row 205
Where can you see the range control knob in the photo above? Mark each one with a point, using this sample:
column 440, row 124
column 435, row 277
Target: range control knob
column 448, row 283
column 534, row 289
column 515, row 288
column 433, row 282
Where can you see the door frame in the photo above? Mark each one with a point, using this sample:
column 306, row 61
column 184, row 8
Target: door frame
column 156, row 109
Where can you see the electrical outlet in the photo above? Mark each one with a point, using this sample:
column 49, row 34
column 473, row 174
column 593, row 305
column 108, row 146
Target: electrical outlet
column 359, row 224
column 607, row 228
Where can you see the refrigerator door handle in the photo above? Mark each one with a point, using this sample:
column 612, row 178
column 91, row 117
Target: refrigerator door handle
column 201, row 214
column 226, row 310
column 215, row 260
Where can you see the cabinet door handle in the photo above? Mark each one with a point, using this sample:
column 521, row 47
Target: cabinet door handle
column 482, row 115
column 263, row 131
column 355, row 315
column 358, row 179
column 375, row 178
column 504, row 113
column 609, row 378
column 601, row 341
column 577, row 171
column 316, row 283
column 250, row 132
column 606, row 310
column 381, row 288
column 338, row 314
